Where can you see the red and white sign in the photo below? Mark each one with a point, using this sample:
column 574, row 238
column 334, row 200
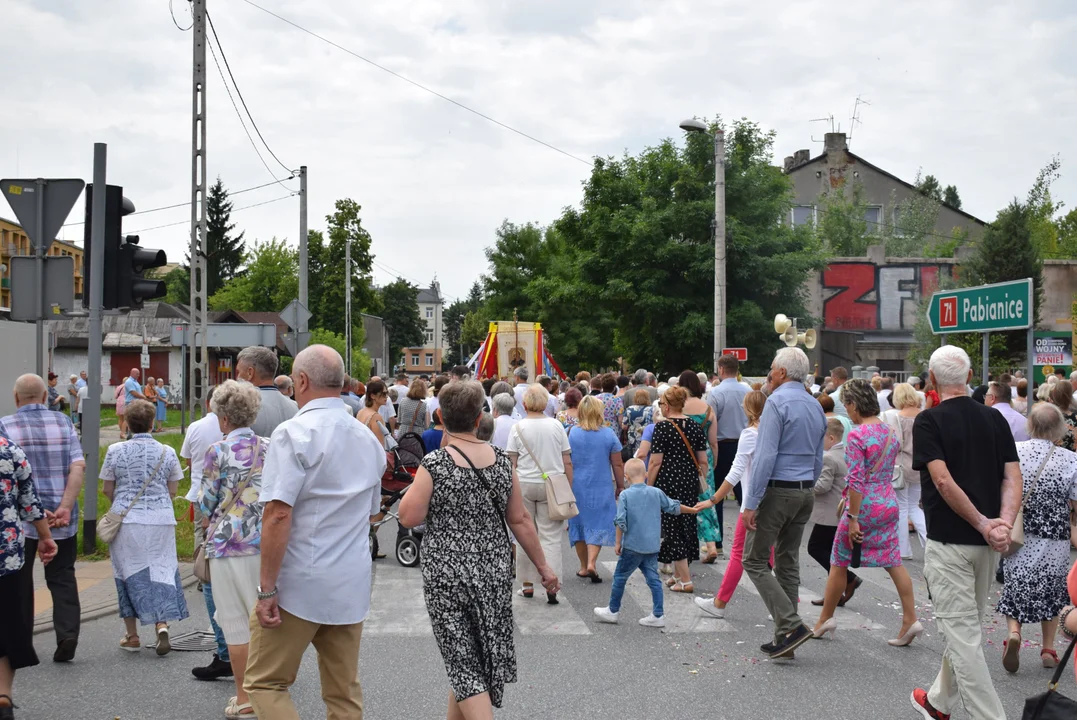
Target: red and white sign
column 740, row 353
column 947, row 312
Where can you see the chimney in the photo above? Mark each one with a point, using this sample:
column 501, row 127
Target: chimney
column 800, row 157
column 834, row 142
column 789, row 163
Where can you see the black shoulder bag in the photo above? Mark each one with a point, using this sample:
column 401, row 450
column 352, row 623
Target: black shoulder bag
column 1052, row 705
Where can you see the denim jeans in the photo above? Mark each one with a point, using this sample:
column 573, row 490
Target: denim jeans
column 222, row 648
column 626, row 565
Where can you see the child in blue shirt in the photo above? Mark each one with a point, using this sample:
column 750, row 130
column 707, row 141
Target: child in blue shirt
column 639, row 537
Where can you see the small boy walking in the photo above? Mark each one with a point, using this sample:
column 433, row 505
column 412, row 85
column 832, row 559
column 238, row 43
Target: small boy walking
column 639, row 536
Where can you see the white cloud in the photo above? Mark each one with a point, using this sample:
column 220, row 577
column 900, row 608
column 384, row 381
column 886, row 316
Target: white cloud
column 980, row 94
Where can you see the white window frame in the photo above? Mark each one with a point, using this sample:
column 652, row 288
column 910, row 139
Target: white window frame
column 792, row 216
column 430, row 359
column 429, row 312
column 876, row 227
column 415, row 359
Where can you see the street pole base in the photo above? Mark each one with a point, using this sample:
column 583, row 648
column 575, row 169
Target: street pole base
column 89, row 537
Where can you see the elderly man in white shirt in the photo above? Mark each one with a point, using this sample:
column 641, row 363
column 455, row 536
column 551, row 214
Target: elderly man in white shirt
column 520, row 374
column 321, row 484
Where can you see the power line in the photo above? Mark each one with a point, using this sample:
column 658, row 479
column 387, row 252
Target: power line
column 240, row 116
column 240, row 93
column 422, row 87
column 188, row 222
column 188, row 203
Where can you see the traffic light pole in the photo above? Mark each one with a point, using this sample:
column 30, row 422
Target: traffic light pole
column 91, row 407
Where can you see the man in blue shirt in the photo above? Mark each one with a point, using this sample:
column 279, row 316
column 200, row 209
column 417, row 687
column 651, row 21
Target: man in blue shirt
column 778, row 499
column 726, row 399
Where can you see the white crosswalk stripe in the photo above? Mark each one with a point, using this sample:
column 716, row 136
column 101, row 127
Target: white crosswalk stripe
column 681, row 613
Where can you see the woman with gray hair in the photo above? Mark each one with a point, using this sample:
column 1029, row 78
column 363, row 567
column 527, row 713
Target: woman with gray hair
column 231, row 484
column 869, row 525
column 141, row 477
column 466, row 493
column 503, row 419
column 1035, row 587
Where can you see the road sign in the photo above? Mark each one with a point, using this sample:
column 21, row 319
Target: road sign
column 59, row 286
column 57, row 197
column 985, row 308
column 295, row 314
column 739, row 353
column 228, row 334
column 295, row 341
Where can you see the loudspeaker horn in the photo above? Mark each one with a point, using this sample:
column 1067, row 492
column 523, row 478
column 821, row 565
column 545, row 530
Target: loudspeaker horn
column 789, row 337
column 808, row 338
column 781, row 323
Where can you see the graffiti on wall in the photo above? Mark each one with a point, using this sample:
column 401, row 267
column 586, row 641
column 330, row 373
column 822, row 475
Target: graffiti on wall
column 862, row 296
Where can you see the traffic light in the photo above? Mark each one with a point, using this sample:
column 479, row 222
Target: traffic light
column 124, row 286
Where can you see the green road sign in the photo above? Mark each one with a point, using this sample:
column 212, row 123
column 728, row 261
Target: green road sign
column 986, row 308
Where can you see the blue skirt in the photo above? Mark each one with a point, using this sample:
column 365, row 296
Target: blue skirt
column 598, row 508
column 162, row 410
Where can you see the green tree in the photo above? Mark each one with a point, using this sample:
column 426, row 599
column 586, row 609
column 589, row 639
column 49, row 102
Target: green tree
column 910, row 229
column 1043, row 228
column 224, row 249
column 951, row 198
column 361, row 362
column 400, row 311
column 842, row 227
column 268, row 283
column 325, row 270
column 1067, row 235
column 178, row 285
column 453, row 323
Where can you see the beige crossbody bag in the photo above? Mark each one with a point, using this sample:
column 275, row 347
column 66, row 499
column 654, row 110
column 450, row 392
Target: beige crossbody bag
column 560, row 500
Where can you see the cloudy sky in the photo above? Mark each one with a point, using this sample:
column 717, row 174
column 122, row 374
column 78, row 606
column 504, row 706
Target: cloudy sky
column 981, row 93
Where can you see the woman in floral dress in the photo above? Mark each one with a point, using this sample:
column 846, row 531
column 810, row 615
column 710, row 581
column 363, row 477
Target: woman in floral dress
column 638, row 415
column 571, row 414
column 871, row 510
column 613, row 407
column 231, row 483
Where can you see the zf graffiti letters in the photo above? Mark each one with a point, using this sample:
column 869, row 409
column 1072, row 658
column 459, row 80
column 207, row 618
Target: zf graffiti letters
column 865, row 297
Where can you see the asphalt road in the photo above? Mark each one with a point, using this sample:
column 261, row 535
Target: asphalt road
column 569, row 666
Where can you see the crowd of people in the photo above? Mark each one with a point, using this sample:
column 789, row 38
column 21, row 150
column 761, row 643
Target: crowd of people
column 286, row 477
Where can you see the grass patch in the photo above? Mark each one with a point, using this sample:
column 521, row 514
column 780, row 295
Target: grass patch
column 184, row 528
column 108, row 417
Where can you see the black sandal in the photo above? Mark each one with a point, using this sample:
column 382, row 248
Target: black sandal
column 7, row 711
column 551, row 599
column 594, row 576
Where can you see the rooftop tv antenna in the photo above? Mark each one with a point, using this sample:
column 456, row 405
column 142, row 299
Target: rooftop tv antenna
column 855, row 119
column 827, row 119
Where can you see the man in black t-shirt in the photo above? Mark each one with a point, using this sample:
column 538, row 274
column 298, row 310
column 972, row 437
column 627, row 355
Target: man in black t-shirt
column 972, row 485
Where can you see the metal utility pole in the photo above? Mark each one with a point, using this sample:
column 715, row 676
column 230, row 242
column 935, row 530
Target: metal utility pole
column 719, row 245
column 91, row 406
column 348, row 306
column 302, row 248
column 39, row 267
column 199, row 358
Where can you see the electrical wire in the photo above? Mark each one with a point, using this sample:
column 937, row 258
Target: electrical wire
column 240, row 93
column 422, row 87
column 188, row 222
column 393, row 271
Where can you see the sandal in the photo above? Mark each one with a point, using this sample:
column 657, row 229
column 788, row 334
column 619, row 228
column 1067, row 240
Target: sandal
column 709, row 560
column 682, row 587
column 1049, row 658
column 163, row 643
column 131, row 643
column 594, row 576
column 527, row 592
column 1011, row 649
column 234, row 711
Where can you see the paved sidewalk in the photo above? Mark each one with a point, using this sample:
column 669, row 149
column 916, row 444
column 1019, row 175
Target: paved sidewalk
column 97, row 591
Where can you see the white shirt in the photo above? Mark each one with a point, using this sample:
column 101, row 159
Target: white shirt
column 328, row 468
column 83, row 394
column 387, row 412
column 502, row 425
column 552, row 406
column 518, row 392
column 742, row 463
column 839, row 407
column 432, row 404
column 200, row 435
column 884, row 404
column 549, row 441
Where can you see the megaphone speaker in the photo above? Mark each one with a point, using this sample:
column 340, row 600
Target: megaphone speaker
column 789, row 337
column 809, row 339
column 781, row 323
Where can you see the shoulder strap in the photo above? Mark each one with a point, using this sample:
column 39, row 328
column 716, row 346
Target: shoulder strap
column 146, row 484
column 1036, row 480
column 414, row 415
column 489, row 490
column 223, row 510
column 691, row 452
column 1062, row 665
column 534, row 458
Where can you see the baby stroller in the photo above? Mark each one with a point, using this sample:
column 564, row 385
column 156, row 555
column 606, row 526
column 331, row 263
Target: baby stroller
column 404, row 461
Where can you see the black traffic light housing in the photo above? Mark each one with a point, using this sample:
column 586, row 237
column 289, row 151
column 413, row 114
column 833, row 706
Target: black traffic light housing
column 124, row 286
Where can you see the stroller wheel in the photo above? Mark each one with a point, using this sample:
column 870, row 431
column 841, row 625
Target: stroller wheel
column 373, row 546
column 407, row 551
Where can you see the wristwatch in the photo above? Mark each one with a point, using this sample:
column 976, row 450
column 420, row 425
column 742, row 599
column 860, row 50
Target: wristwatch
column 263, row 595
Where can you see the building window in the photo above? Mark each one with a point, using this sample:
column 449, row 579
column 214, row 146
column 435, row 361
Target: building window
column 873, row 216
column 898, row 230
column 429, row 337
column 415, row 359
column 429, row 312
column 803, row 215
column 430, row 359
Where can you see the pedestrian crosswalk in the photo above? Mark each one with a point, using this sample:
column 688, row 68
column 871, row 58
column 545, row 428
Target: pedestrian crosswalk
column 398, row 607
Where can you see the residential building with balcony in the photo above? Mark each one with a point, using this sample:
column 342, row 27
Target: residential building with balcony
column 15, row 242
column 426, row 360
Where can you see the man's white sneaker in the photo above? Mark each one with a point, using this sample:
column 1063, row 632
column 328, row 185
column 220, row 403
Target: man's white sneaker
column 707, row 606
column 604, row 614
column 652, row 621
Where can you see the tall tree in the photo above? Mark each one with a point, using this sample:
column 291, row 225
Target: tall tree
column 361, row 362
column 453, row 322
column 951, row 198
column 224, row 249
column 178, row 286
column 400, row 311
column 269, row 282
column 843, row 228
column 325, row 270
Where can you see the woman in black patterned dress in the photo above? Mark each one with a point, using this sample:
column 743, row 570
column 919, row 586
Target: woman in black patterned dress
column 673, row 469
column 465, row 493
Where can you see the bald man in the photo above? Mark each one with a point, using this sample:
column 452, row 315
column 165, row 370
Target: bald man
column 284, row 385
column 52, row 447
column 314, row 582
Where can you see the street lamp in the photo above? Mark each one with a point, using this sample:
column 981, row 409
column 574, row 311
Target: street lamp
column 718, row 226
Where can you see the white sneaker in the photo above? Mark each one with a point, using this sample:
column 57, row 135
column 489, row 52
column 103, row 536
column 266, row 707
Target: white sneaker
column 604, row 614
column 652, row 621
column 707, row 606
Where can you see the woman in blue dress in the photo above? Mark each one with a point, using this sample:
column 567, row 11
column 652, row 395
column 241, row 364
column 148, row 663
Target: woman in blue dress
column 597, row 479
column 162, row 404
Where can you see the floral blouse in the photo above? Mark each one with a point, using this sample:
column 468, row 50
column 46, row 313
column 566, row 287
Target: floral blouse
column 127, row 464
column 567, row 420
column 613, row 412
column 234, row 461
column 637, row 417
column 18, row 502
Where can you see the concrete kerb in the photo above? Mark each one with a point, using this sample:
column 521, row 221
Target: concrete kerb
column 187, row 579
